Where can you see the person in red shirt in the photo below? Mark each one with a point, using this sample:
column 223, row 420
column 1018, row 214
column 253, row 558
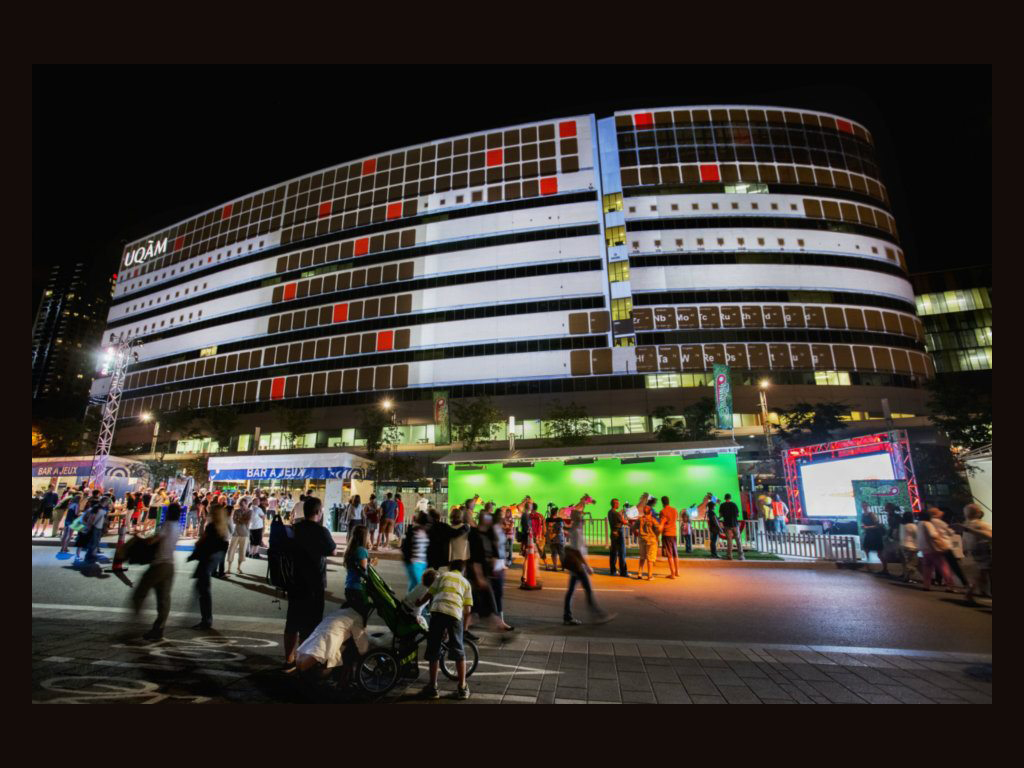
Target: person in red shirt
column 669, row 536
column 400, row 518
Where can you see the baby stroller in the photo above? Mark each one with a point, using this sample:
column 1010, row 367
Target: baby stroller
column 380, row 669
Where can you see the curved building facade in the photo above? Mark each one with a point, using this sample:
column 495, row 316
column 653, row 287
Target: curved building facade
column 606, row 260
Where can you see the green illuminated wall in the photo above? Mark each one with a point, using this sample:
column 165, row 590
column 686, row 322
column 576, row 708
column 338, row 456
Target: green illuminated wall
column 684, row 481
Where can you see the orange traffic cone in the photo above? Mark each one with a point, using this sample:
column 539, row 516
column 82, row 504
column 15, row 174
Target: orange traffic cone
column 530, row 568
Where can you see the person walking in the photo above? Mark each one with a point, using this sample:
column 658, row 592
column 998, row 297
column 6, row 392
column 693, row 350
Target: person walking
column 311, row 544
column 938, row 515
column 257, row 523
column 780, row 511
column 555, row 537
column 414, row 549
column 874, row 538
column 977, row 542
column 239, row 535
column 74, row 502
column 451, row 606
column 508, row 526
column 649, row 529
column 49, row 502
column 669, row 536
column 209, row 555
column 730, row 515
column 908, row 546
column 483, row 559
column 372, row 515
column 714, row 527
column 388, row 516
column 160, row 574
column 579, row 573
column 933, row 548
column 684, row 529
column 617, row 527
column 353, row 517
column 97, row 523
column 399, row 518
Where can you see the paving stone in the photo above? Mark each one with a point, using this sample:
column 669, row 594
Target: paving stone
column 747, row 669
column 777, row 701
column 651, row 651
column 765, row 689
column 628, row 664
column 973, row 696
column 722, row 677
column 702, row 699
column 698, row 685
column 837, row 693
column 626, row 649
column 601, row 649
column 798, row 695
column 809, row 672
column 853, row 682
column 820, row 700
column 570, row 701
column 634, row 683
column 662, row 675
column 573, row 679
column 668, row 693
column 904, row 695
column 603, row 690
column 573, row 661
column 687, row 667
column 638, row 697
column 703, row 652
column 738, row 694
column 677, row 651
column 601, row 671
column 925, row 688
column 566, row 692
column 546, row 697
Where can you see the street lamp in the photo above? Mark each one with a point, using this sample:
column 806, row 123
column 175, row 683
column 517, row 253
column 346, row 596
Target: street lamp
column 147, row 417
column 762, row 388
column 388, row 405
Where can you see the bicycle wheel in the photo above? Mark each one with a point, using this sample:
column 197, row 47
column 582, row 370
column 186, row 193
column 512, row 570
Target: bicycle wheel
column 472, row 659
column 378, row 672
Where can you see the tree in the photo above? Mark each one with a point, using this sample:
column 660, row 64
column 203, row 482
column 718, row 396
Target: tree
column 672, row 427
column 475, row 421
column 181, row 423
column 391, row 466
column 568, row 424
column 159, row 470
column 805, row 423
column 58, row 437
column 293, row 421
column 699, row 420
column 378, row 430
column 222, row 424
column 197, row 468
column 963, row 412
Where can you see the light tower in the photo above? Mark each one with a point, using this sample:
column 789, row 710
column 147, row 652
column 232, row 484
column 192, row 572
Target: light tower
column 122, row 353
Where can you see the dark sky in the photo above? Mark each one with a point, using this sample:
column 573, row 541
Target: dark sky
column 121, row 152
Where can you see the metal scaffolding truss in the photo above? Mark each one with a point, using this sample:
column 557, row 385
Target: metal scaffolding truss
column 895, row 443
column 124, row 352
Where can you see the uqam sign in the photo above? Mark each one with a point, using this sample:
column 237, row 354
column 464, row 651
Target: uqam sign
column 145, row 252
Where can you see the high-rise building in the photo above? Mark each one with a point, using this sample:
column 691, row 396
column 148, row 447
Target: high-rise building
column 955, row 306
column 609, row 261
column 66, row 338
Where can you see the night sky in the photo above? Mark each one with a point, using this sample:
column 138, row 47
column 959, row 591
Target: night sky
column 121, row 152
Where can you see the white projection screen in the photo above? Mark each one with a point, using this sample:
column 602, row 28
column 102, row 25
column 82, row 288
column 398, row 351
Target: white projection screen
column 827, row 486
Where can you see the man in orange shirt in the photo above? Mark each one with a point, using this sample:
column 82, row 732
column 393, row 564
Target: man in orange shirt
column 669, row 535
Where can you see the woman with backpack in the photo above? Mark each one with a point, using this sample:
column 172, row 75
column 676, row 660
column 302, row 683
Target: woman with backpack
column 239, row 535
column 209, row 554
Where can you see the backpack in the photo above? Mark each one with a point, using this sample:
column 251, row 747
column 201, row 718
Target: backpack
column 280, row 557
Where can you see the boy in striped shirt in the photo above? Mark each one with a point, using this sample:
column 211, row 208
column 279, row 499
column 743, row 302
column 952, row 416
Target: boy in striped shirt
column 453, row 601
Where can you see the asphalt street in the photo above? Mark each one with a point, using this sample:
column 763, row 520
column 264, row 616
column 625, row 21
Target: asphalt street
column 742, row 603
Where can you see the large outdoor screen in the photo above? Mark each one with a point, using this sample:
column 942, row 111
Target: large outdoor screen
column 684, row 481
column 827, row 486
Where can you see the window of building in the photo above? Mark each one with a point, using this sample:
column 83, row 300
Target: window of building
column 832, row 378
column 612, row 202
column 622, row 309
column 618, row 271
column 615, row 236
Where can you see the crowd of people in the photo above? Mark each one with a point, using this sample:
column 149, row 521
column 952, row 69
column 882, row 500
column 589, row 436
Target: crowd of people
column 955, row 555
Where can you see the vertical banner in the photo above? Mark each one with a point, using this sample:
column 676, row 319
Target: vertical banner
column 442, row 424
column 873, row 495
column 723, row 396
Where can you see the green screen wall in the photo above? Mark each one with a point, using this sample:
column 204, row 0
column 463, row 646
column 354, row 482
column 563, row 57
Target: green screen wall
column 684, row 481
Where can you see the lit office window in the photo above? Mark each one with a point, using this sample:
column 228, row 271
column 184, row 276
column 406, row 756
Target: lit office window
column 615, row 236
column 622, row 309
column 618, row 272
column 613, row 202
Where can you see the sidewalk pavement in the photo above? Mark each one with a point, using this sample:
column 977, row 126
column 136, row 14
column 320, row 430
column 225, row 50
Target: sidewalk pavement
column 84, row 654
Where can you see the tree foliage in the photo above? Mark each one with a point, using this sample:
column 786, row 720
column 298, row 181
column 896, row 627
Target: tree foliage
column 197, row 468
column 672, row 426
column 222, row 423
column 391, row 466
column 293, row 421
column 807, row 423
column 182, row 424
column 59, row 436
column 378, row 430
column 567, row 424
column 699, row 421
column 158, row 470
column 474, row 421
column 962, row 411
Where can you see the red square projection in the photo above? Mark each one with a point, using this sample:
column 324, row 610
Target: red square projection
column 369, row 166
column 549, row 186
column 179, row 242
column 362, row 246
column 567, row 129
column 709, row 173
column 643, row 120
column 325, row 209
column 277, row 388
column 385, row 340
column 227, row 211
column 495, row 157
column 340, row 313
column 394, row 210
column 844, row 125
column 289, row 292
